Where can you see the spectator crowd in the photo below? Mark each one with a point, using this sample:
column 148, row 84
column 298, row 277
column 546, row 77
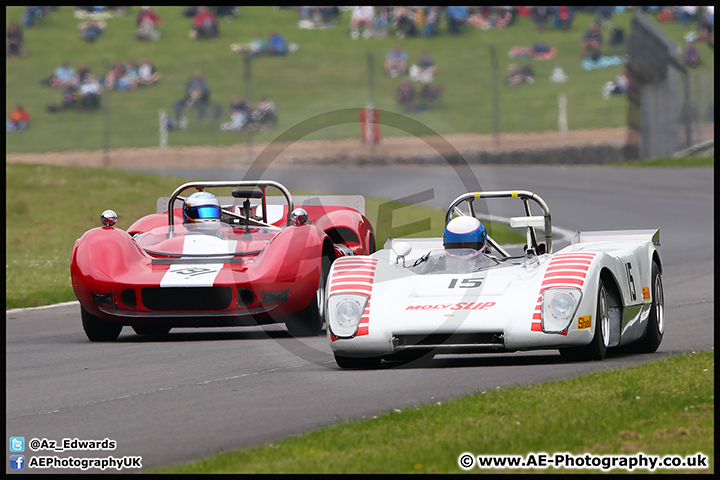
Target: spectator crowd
column 599, row 45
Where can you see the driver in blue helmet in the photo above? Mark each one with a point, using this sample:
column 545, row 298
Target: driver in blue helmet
column 465, row 232
column 201, row 210
column 465, row 242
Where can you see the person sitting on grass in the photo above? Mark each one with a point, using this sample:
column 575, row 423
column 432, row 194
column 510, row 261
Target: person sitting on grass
column 14, row 40
column 64, row 76
column 456, row 18
column 91, row 29
column 253, row 48
column 516, row 76
column 89, row 92
column 18, row 120
column 197, row 95
column 381, row 23
column 405, row 95
column 147, row 22
column 205, row 24
column 147, row 74
column 424, row 70
column 265, row 115
column 118, row 78
column 68, row 99
column 239, row 115
column 404, row 21
column 591, row 41
column 361, row 17
column 276, row 45
column 396, row 61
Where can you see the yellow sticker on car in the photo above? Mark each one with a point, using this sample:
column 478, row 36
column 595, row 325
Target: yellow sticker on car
column 584, row 322
column 646, row 294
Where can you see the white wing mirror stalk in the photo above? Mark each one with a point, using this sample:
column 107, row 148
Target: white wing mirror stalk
column 401, row 250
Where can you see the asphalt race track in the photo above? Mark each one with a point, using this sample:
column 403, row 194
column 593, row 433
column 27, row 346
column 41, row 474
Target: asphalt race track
column 195, row 393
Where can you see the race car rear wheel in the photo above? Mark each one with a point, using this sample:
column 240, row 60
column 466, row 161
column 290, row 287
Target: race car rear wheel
column 310, row 321
column 650, row 342
column 97, row 329
column 597, row 348
column 353, row 362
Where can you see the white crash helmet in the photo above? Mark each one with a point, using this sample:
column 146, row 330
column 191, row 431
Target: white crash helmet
column 465, row 232
column 201, row 208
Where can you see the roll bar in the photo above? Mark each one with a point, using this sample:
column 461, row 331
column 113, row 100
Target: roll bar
column 262, row 184
column 524, row 195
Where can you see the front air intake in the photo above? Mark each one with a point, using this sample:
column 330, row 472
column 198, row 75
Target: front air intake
column 245, row 297
column 186, row 298
column 446, row 340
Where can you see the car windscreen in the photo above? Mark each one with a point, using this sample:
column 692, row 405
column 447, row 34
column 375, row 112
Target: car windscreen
column 461, row 260
column 207, row 240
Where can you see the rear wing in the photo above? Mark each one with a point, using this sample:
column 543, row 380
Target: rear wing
column 650, row 235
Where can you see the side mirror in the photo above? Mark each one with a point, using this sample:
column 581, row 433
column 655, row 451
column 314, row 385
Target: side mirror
column 108, row 218
column 401, row 250
column 299, row 216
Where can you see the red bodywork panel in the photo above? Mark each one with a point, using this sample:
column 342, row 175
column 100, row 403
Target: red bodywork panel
column 266, row 275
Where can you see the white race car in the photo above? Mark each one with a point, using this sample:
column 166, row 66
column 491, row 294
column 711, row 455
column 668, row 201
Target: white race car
column 415, row 298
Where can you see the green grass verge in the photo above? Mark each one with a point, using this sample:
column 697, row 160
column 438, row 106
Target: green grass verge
column 660, row 408
column 49, row 207
column 670, row 162
column 327, row 73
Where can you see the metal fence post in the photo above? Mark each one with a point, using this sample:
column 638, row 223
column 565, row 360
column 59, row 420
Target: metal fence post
column 247, row 76
column 496, row 99
column 162, row 118
column 562, row 114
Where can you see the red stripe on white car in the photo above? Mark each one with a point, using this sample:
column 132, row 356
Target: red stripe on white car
column 564, row 270
column 355, row 275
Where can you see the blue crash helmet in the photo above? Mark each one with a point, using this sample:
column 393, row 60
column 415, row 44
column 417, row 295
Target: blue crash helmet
column 201, row 207
column 465, row 232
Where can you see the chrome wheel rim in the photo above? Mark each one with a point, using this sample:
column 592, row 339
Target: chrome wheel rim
column 320, row 299
column 659, row 305
column 604, row 313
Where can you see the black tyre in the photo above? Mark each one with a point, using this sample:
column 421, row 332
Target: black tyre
column 650, row 342
column 597, row 348
column 310, row 321
column 352, row 362
column 99, row 330
column 409, row 356
column 151, row 330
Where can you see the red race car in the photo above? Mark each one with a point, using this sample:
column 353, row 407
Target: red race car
column 209, row 261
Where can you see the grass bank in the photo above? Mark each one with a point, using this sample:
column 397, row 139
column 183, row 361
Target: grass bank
column 670, row 162
column 327, row 73
column 660, row 408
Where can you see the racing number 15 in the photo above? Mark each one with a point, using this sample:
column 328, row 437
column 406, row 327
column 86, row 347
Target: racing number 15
column 631, row 282
column 466, row 283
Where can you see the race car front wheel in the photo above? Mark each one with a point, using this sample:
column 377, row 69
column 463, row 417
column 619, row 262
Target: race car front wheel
column 151, row 330
column 650, row 342
column 597, row 348
column 353, row 362
column 97, row 329
column 310, row 321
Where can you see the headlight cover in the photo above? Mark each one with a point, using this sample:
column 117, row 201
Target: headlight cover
column 558, row 308
column 344, row 313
